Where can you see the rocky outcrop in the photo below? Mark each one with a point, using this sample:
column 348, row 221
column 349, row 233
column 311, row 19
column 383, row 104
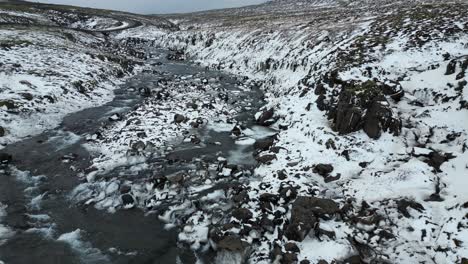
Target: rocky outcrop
column 364, row 106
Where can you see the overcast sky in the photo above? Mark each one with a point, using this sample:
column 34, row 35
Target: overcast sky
column 156, row 6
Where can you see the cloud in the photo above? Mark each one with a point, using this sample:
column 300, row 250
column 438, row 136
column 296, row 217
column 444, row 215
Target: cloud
column 156, row 6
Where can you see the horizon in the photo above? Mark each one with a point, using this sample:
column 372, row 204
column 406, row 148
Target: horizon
column 156, row 7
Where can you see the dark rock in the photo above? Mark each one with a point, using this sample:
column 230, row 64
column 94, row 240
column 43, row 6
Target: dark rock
column 139, row 146
column 267, row 158
column 436, row 159
column 264, row 144
column 27, row 96
column 282, row 175
column 237, row 130
column 380, row 117
column 305, row 261
column 289, row 258
column 266, row 118
column 320, row 89
column 231, row 243
column 346, row 116
column 288, row 193
column 127, row 199
column 323, row 169
column 178, row 118
column 451, row 67
column 305, row 209
column 292, row 247
column 297, row 232
column 9, row 104
column 5, row 158
column 2, row 131
column 363, row 164
column 356, row 259
column 125, row 189
column 402, row 207
column 268, row 197
column 159, row 181
column 242, row 214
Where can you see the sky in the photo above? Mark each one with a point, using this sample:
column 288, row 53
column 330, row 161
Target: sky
column 155, row 6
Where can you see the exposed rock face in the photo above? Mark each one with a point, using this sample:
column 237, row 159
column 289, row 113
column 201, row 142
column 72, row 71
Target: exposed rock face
column 264, row 143
column 380, row 117
column 364, row 106
column 5, row 158
column 266, row 117
column 305, row 214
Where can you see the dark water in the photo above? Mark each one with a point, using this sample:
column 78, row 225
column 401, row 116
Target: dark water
column 127, row 236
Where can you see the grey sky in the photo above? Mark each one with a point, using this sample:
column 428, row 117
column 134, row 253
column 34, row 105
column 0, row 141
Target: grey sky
column 155, row 6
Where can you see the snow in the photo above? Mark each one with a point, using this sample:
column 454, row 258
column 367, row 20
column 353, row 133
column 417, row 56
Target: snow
column 87, row 253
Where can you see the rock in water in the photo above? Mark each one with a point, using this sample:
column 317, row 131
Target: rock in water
column 5, row 158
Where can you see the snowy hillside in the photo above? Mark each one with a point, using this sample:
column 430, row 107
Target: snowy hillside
column 369, row 98
column 55, row 61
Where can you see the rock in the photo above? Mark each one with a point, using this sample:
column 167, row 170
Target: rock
column 27, row 96
column 305, row 209
column 125, row 189
column 323, row 169
column 305, row 261
column 297, row 232
column 2, row 131
column 282, row 175
column 266, row 117
column 9, row 104
column 139, row 146
column 289, row 258
column 127, row 199
column 5, row 158
column 451, row 67
column 292, row 247
column 242, row 214
column 159, row 181
column 380, row 117
column 402, row 206
column 237, row 130
column 288, row 193
column 178, row 118
column 264, row 144
column 267, row 158
column 356, row 259
column 231, row 243
column 436, row 159
column 464, row 261
column 346, row 117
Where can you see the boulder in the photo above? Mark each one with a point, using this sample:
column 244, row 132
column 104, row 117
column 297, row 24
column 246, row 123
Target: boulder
column 264, row 144
column 266, row 117
column 323, row 169
column 178, row 118
column 231, row 243
column 451, row 67
column 242, row 214
column 380, row 117
column 127, row 199
column 267, row 158
column 5, row 158
column 306, row 209
column 2, row 131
